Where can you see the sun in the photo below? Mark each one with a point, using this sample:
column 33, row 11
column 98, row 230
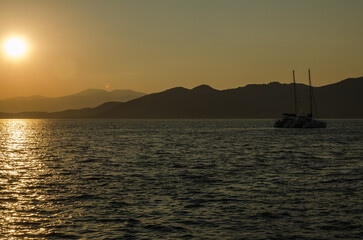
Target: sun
column 15, row 47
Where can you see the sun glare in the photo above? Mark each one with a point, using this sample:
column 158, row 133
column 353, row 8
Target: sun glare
column 15, row 47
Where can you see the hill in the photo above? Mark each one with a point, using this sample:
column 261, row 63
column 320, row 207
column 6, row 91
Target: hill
column 87, row 98
column 339, row 100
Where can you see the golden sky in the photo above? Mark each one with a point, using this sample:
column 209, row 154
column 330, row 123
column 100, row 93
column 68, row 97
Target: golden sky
column 153, row 45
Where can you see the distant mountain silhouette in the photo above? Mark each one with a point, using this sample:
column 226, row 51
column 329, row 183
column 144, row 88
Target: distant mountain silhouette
column 340, row 100
column 87, row 98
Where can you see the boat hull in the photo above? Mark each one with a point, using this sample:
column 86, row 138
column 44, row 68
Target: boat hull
column 300, row 122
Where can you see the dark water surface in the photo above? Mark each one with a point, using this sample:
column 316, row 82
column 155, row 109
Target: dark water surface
column 180, row 179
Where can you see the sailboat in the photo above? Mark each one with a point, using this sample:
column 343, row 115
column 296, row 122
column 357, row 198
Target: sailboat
column 292, row 120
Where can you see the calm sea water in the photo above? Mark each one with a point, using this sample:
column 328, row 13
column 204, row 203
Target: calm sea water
column 180, row 179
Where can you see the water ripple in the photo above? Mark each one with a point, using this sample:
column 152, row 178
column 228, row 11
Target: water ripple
column 179, row 179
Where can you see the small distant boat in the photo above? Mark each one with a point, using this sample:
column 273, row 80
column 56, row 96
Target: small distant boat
column 292, row 120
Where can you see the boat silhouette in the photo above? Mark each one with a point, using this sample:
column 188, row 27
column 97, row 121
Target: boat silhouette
column 292, row 120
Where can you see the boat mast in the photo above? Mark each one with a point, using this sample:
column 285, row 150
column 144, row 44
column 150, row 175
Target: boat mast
column 295, row 102
column 311, row 96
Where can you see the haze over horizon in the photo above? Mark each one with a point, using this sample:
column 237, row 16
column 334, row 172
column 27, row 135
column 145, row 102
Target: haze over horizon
column 150, row 46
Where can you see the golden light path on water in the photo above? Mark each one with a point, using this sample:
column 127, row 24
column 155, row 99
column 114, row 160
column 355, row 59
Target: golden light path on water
column 21, row 176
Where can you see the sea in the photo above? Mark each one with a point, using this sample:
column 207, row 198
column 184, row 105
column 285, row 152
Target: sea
column 180, row 179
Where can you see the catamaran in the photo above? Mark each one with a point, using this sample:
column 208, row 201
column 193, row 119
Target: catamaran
column 292, row 120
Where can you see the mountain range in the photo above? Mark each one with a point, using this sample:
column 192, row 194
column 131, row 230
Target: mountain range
column 339, row 100
column 87, row 98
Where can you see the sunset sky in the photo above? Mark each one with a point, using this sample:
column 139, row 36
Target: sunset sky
column 153, row 45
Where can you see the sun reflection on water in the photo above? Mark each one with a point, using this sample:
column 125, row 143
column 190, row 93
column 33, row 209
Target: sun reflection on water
column 21, row 171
